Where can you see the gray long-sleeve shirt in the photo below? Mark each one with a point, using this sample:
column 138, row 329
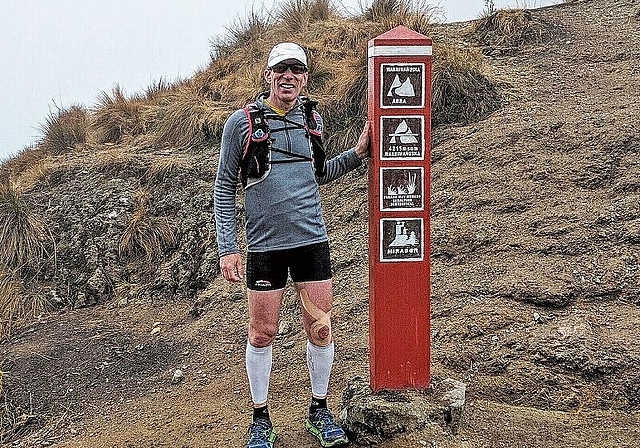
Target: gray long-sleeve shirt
column 282, row 210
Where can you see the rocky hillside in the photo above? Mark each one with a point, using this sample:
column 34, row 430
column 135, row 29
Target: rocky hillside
column 535, row 237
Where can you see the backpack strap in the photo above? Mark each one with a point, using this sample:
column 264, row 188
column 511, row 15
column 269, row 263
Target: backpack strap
column 255, row 157
column 314, row 126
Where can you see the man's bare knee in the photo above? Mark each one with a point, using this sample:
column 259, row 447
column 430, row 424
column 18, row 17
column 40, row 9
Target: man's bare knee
column 261, row 338
column 260, row 341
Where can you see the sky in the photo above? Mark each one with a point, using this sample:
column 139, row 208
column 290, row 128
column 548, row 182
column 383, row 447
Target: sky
column 59, row 53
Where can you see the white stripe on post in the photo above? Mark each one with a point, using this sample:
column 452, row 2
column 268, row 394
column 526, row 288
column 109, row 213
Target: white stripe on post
column 408, row 50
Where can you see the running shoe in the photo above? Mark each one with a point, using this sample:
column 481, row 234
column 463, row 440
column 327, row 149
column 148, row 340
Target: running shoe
column 261, row 434
column 322, row 425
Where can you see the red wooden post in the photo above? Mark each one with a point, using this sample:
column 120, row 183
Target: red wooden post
column 399, row 178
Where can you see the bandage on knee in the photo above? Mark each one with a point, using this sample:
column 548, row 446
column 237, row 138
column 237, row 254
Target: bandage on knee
column 320, row 329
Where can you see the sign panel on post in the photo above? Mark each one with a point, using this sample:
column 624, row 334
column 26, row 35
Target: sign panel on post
column 401, row 188
column 402, row 137
column 399, row 101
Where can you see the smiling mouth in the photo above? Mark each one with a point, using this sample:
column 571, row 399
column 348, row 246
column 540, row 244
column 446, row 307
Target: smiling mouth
column 287, row 86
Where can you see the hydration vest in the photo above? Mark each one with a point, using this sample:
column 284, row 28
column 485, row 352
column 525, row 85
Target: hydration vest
column 256, row 161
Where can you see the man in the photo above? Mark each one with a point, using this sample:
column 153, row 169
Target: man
column 276, row 147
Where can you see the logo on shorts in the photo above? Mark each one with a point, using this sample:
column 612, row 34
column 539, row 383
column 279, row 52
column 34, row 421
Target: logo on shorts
column 262, row 284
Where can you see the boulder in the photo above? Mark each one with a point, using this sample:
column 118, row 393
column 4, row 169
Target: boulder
column 371, row 417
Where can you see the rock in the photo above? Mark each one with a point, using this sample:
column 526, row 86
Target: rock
column 284, row 328
column 177, row 376
column 371, row 418
column 82, row 301
column 237, row 297
column 97, row 287
column 451, row 395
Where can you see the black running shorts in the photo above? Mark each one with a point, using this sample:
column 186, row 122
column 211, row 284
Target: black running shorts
column 267, row 271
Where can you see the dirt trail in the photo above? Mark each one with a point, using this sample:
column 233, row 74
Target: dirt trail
column 535, row 284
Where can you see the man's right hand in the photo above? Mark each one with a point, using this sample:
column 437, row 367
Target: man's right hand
column 232, row 267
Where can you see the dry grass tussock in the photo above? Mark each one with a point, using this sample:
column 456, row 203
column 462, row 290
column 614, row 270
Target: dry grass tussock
column 189, row 113
column 344, row 102
column 16, row 164
column 248, row 32
column 114, row 160
column 164, row 167
column 11, row 294
column 417, row 15
column 187, row 118
column 145, row 233
column 462, row 92
column 337, row 48
column 159, row 89
column 36, row 174
column 64, row 130
column 318, row 25
column 30, row 170
column 296, row 15
column 115, row 116
column 511, row 28
column 17, row 304
column 22, row 231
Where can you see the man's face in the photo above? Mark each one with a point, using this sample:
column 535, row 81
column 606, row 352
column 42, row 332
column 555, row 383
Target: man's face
column 286, row 80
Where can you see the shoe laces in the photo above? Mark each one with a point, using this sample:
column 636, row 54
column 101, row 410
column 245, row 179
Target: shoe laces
column 324, row 419
column 259, row 429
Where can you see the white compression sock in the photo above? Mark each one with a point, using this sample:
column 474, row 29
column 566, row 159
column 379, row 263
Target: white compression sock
column 258, row 363
column 319, row 361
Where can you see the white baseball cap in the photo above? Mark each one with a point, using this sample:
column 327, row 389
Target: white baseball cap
column 284, row 51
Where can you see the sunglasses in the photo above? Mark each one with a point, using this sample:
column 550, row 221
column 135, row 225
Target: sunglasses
column 296, row 69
